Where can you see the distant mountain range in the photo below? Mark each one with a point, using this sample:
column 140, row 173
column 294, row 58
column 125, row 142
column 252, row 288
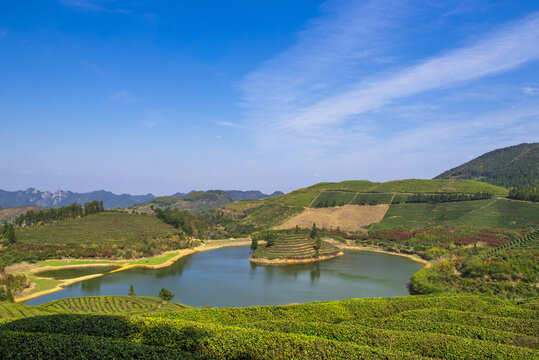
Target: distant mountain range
column 35, row 197
column 200, row 201
column 510, row 167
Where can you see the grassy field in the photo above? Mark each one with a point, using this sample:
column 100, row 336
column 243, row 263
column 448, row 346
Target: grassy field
column 496, row 213
column 412, row 327
column 108, row 227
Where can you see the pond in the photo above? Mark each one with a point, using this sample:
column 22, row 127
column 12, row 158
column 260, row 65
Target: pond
column 226, row 277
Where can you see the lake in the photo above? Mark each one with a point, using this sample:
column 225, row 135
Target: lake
column 226, row 277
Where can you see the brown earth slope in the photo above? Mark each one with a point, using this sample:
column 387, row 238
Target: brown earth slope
column 347, row 217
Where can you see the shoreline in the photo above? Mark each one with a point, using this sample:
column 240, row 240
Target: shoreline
column 214, row 244
column 263, row 261
column 123, row 265
column 380, row 250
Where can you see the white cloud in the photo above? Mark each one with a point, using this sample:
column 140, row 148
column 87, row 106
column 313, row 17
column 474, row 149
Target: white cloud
column 500, row 51
column 229, row 124
column 528, row 90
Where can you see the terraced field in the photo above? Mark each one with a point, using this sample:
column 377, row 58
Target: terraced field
column 411, row 327
column 294, row 247
column 110, row 305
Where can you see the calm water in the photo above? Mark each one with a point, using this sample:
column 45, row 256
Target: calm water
column 225, row 277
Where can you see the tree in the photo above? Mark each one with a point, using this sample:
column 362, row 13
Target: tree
column 314, row 231
column 270, row 241
column 132, row 291
column 9, row 233
column 296, row 230
column 254, row 243
column 166, row 294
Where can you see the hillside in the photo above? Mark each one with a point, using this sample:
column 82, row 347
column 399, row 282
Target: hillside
column 411, row 327
column 509, row 167
column 35, row 197
column 103, row 235
column 195, row 202
column 247, row 216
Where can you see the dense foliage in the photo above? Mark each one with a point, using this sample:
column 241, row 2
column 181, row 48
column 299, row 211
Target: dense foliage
column 529, row 192
column 189, row 224
column 103, row 235
column 413, row 327
column 51, row 215
column 512, row 166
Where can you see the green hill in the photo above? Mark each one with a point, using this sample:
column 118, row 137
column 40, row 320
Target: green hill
column 510, row 167
column 411, row 327
column 103, row 235
column 244, row 217
column 195, row 202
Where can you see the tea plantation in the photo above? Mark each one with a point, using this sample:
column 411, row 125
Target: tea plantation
column 295, row 247
column 411, row 327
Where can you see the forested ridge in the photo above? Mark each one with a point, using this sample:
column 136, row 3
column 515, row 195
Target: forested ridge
column 512, row 166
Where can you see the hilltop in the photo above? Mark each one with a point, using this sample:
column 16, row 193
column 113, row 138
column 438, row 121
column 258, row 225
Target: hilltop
column 509, row 167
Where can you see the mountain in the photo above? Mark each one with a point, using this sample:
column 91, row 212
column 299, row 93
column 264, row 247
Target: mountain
column 510, row 167
column 200, row 201
column 35, row 197
column 237, row 195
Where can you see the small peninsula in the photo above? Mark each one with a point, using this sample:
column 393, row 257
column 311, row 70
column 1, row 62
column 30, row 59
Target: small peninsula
column 292, row 249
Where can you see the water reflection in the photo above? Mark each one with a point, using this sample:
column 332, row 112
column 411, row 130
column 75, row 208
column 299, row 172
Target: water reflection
column 226, row 277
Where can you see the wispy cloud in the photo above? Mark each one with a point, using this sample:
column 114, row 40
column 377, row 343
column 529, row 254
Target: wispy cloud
column 528, row 90
column 228, row 124
column 91, row 5
column 502, row 50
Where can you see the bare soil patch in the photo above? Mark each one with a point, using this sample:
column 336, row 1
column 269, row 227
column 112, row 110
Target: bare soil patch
column 347, row 217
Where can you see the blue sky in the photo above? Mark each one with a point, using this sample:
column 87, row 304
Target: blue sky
column 168, row 96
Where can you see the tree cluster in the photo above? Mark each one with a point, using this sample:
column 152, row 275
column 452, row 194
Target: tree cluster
column 528, row 192
column 189, row 224
column 51, row 215
column 93, row 207
column 441, row 197
column 7, row 231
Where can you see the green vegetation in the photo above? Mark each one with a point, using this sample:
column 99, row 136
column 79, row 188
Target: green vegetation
column 194, row 202
column 412, row 327
column 333, row 198
column 480, row 261
column 166, row 294
column 51, row 215
column 132, row 291
column 294, row 247
column 528, row 192
column 109, row 305
column 371, row 199
column 102, row 235
column 7, row 232
column 245, row 217
column 510, row 167
column 495, row 213
column 189, row 224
